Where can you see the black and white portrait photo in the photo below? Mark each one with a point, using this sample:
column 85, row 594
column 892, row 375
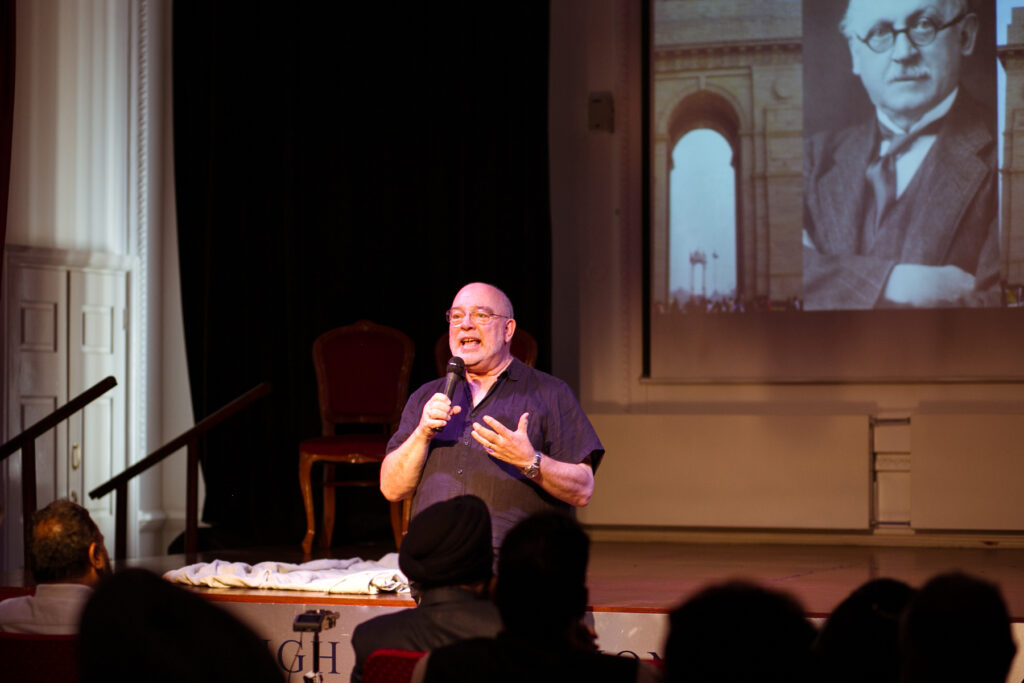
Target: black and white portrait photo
column 900, row 168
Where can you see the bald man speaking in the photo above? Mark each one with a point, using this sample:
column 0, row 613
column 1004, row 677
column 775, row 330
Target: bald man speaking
column 514, row 436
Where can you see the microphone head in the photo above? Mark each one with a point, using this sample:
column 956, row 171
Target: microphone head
column 456, row 365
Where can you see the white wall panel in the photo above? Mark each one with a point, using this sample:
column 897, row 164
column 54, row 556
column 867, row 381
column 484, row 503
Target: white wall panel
column 967, row 472
column 756, row 471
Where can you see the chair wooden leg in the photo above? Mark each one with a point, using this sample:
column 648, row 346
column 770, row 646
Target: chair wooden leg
column 406, row 514
column 327, row 529
column 396, row 522
column 305, row 465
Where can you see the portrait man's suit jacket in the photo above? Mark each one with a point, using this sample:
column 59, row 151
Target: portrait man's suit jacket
column 948, row 214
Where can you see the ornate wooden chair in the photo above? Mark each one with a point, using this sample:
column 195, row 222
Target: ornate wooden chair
column 362, row 373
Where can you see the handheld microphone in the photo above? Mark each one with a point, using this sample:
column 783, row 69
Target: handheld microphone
column 456, row 371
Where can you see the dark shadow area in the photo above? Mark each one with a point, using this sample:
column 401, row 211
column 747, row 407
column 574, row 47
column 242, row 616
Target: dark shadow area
column 335, row 162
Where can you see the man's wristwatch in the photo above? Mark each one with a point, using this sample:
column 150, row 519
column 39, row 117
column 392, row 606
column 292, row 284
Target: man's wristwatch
column 534, row 469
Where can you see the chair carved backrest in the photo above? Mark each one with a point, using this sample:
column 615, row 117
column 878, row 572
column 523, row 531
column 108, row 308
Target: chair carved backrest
column 362, row 373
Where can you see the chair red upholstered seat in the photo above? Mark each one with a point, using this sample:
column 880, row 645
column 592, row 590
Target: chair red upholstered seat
column 362, row 374
column 390, row 666
column 31, row 658
column 356, row 445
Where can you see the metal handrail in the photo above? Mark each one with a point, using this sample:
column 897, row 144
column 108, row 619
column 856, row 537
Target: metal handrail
column 26, row 443
column 190, row 439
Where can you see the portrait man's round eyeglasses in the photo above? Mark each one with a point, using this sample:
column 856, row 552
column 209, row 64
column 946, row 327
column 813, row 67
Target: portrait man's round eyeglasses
column 922, row 32
column 479, row 316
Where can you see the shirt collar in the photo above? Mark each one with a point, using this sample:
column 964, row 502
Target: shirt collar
column 933, row 114
column 514, row 371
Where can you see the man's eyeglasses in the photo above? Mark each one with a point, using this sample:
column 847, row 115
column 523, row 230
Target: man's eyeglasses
column 922, row 32
column 479, row 316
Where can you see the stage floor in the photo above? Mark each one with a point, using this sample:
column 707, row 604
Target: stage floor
column 658, row 576
column 654, row 577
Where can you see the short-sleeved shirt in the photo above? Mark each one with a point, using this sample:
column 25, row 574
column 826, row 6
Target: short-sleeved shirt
column 53, row 610
column 456, row 464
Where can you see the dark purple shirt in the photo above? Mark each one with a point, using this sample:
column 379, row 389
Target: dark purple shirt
column 456, row 464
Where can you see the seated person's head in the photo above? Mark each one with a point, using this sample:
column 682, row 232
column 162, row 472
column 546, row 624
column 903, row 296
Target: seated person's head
column 956, row 628
column 448, row 544
column 739, row 631
column 66, row 545
column 137, row 626
column 542, row 574
column 860, row 640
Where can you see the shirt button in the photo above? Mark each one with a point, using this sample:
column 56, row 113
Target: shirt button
column 459, row 470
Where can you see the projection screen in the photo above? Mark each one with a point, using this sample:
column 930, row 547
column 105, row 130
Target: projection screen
column 831, row 190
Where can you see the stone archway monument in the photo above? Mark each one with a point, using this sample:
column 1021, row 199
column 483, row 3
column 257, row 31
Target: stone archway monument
column 733, row 66
column 1011, row 236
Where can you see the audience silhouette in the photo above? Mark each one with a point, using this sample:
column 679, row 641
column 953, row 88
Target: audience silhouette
column 67, row 558
column 137, row 626
column 736, row 632
column 447, row 557
column 541, row 594
column 860, row 639
column 956, row 629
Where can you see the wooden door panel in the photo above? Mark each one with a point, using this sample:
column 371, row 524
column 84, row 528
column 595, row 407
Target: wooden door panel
column 97, row 340
column 36, row 379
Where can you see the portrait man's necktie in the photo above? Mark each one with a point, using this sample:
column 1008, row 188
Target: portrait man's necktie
column 881, row 172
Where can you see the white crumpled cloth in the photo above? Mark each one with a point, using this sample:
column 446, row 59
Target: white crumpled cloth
column 354, row 576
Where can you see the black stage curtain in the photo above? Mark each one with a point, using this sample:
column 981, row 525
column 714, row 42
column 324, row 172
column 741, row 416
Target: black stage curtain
column 7, row 52
column 339, row 161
